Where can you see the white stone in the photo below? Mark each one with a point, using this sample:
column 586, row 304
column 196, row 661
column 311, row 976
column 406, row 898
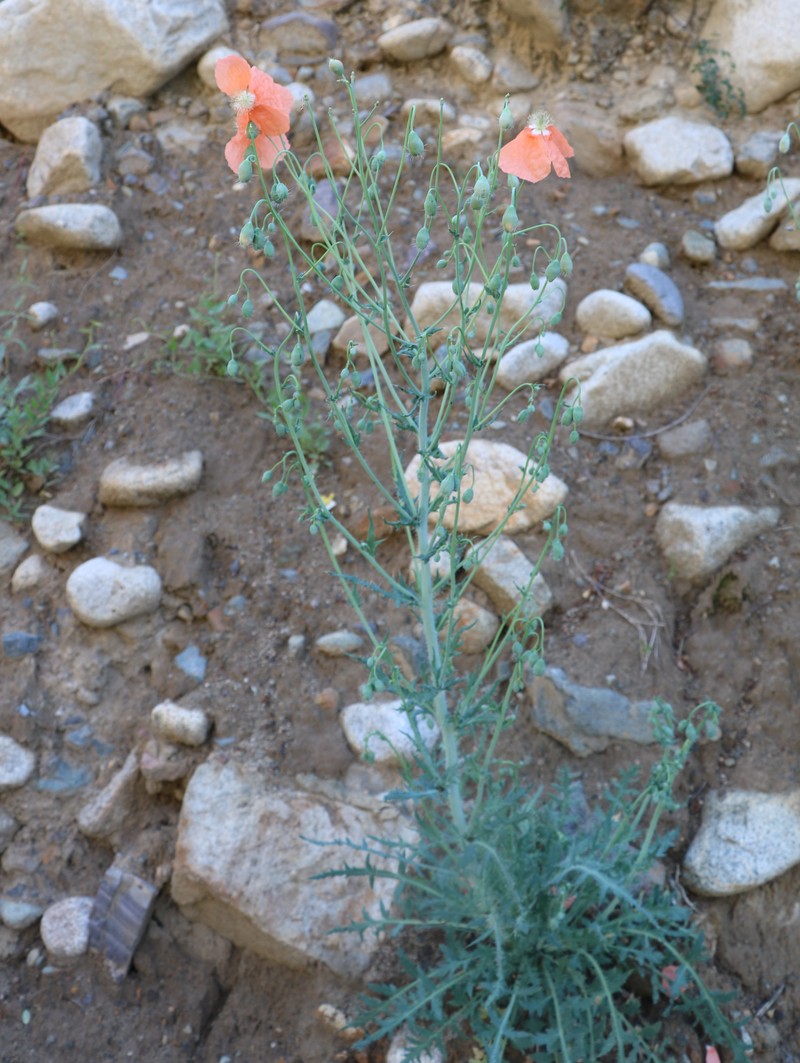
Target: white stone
column 523, row 364
column 505, row 574
column 381, row 730
column 28, row 574
column 102, row 593
column 339, row 643
column 73, row 226
column 16, row 764
column 124, row 484
column 745, row 225
column 435, row 304
column 760, row 45
column 57, row 530
column 40, row 315
column 112, row 809
column 399, row 1051
column 746, row 839
column 207, row 63
column 67, row 158
column 696, row 540
column 74, row 410
column 12, row 547
column 675, row 151
column 65, row 929
column 245, row 860
column 494, row 472
column 635, row 377
column 84, row 47
column 420, row 39
column 611, row 314
column 477, row 626
column 473, row 65
column 179, row 723
column 325, row 316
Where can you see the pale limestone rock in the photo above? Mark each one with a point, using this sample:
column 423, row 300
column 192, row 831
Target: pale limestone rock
column 65, row 929
column 435, row 304
column 110, row 810
column 180, row 723
column 477, row 626
column 746, row 225
column 420, row 39
column 635, row 377
column 83, row 47
column 473, row 65
column 72, row 226
column 612, row 315
column 102, row 593
column 73, row 411
column 524, row 364
column 760, row 42
column 696, row 540
column 675, row 151
column 504, row 574
column 12, row 547
column 126, row 484
column 245, row 859
column 746, row 839
column 16, row 764
column 57, row 530
column 28, row 574
column 67, row 158
column 494, row 472
column 380, row 730
column 41, row 314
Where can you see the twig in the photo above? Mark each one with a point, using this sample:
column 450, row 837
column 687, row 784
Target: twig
column 765, row 1007
column 653, row 431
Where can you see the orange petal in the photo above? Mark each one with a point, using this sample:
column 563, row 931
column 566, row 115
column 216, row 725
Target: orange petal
column 525, row 157
column 269, row 94
column 232, row 74
column 268, row 149
column 560, row 141
column 712, row 1055
column 235, row 151
column 555, row 156
column 270, row 120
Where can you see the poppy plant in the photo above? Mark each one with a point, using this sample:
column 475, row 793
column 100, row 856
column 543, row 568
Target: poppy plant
column 538, row 147
column 257, row 99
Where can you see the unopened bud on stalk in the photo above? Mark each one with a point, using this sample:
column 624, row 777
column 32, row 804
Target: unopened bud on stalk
column 279, row 192
column 247, row 308
column 336, row 68
column 246, row 234
column 784, row 143
column 510, row 219
column 431, row 205
column 245, row 171
column 480, row 193
column 422, row 239
column 566, row 263
column 506, row 117
column 415, row 145
column 552, row 269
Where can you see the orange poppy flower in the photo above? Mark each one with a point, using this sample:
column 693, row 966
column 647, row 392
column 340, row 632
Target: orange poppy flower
column 256, row 98
column 538, row 147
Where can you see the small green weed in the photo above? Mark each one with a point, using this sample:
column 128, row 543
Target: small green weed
column 24, row 412
column 715, row 86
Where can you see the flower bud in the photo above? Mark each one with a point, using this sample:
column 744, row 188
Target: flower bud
column 784, row 143
column 245, row 171
column 233, row 299
column 252, row 131
column 232, row 368
column 422, row 238
column 431, row 204
column 481, row 191
column 415, row 145
column 566, row 263
column 552, row 269
column 510, row 219
column 247, row 308
column 377, row 160
column 336, row 68
column 279, row 192
column 280, row 488
column 506, row 119
column 246, row 234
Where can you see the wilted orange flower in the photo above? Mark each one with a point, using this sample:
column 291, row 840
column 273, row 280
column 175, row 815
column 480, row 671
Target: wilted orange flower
column 257, row 99
column 538, row 147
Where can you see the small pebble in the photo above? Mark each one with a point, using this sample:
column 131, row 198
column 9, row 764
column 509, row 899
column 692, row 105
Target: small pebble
column 40, row 315
column 65, row 929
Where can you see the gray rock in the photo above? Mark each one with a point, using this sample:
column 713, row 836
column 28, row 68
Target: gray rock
column 420, row 39
column 112, row 809
column 504, row 574
column 57, row 530
column 494, row 471
column 180, row 723
column 760, row 40
column 8, row 828
column 733, row 353
column 511, row 75
column 102, row 593
column 546, row 18
column 594, row 137
column 759, row 285
column 656, row 254
column 119, row 918
column 245, row 860
column 12, row 547
column 471, row 64
column 746, row 225
column 20, row 643
column 787, row 236
column 325, row 316
column 435, row 304
column 67, row 158
column 136, row 48
column 16, row 764
column 28, row 574
column 73, row 411
column 523, row 363
column 611, row 314
column 586, row 719
column 746, row 839
column 73, row 226
column 123, row 108
column 192, row 663
column 686, row 440
column 18, row 915
column 123, row 483
column 636, row 377
column 758, row 154
column 65, row 929
column 381, row 731
column 657, row 291
column 181, row 136
column 696, row 540
column 339, row 643
column 40, row 315
column 698, row 248
column 299, row 36
column 675, row 151
column 372, row 88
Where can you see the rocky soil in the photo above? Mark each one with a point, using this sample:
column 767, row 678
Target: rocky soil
column 220, row 598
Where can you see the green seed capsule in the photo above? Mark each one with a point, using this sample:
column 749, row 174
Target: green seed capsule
column 784, row 143
column 279, row 192
column 247, row 308
column 552, row 270
column 415, row 145
column 422, row 239
column 336, row 68
column 510, row 219
column 245, row 171
column 246, row 234
column 431, row 205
